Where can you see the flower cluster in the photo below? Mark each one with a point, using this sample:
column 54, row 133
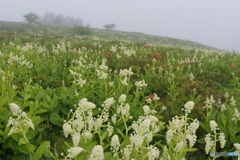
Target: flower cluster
column 209, row 142
column 17, row 122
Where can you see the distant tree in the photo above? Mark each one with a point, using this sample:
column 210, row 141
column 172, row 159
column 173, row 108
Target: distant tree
column 45, row 19
column 58, row 20
column 81, row 30
column 79, row 22
column 31, row 18
column 88, row 25
column 109, row 26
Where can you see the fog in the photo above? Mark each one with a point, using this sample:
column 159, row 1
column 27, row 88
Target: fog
column 215, row 23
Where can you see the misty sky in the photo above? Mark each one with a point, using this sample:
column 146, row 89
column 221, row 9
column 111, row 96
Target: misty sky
column 215, row 23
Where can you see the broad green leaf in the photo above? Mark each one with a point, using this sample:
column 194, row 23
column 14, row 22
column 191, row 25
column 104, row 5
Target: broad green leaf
column 27, row 148
column 56, row 119
column 41, row 111
column 2, row 152
column 103, row 136
column 189, row 149
column 90, row 146
column 26, row 97
column 3, row 101
column 22, row 141
column 54, row 102
column 41, row 149
column 45, row 105
column 121, row 133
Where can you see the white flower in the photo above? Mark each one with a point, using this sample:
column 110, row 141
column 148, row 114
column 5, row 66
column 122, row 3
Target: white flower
column 73, row 152
column 29, row 123
column 76, row 139
column 193, row 126
column 87, row 135
column 126, row 72
column 169, row 135
column 189, row 106
column 114, row 118
column 124, row 82
column 127, row 151
column 124, row 110
column 153, row 153
column 146, row 109
column 237, row 146
column 108, row 102
column 191, row 77
column 14, row 108
column 67, row 129
column 115, row 143
column 110, row 130
column 209, row 143
column 177, row 123
column 155, row 97
column 232, row 101
column 222, row 139
column 122, row 98
column 144, row 127
column 141, row 84
column 11, row 121
column 149, row 137
column 192, row 139
column 164, row 108
column 136, row 140
column 88, row 105
column 13, row 130
column 153, row 118
column 111, row 83
column 179, row 146
column 97, row 153
column 213, row 125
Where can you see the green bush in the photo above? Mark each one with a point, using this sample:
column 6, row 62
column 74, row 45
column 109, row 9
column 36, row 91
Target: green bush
column 81, row 30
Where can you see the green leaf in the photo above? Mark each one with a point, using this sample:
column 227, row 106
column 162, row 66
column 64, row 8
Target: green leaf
column 41, row 111
column 22, row 141
column 121, row 133
column 40, row 94
column 2, row 152
column 56, row 119
column 26, row 97
column 64, row 110
column 54, row 102
column 90, row 146
column 27, row 149
column 190, row 149
column 45, row 105
column 41, row 149
column 3, row 101
column 104, row 135
column 108, row 155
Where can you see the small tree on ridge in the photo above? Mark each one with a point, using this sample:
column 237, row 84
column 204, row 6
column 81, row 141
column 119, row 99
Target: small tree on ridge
column 31, row 18
column 109, row 26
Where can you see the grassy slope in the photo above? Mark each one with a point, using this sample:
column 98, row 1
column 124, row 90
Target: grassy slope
column 107, row 34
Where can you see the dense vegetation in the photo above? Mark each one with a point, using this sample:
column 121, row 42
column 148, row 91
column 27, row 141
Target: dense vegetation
column 84, row 97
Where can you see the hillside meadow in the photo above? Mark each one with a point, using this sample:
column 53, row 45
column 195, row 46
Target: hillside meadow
column 64, row 96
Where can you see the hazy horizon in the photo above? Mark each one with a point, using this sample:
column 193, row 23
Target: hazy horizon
column 213, row 23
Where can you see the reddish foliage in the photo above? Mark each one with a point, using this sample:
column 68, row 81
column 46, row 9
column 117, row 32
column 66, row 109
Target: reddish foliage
column 147, row 46
column 164, row 65
column 151, row 96
column 233, row 65
column 158, row 55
